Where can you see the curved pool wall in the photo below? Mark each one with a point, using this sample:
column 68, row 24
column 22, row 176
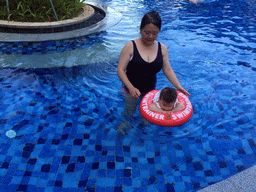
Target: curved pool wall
column 53, row 50
column 110, row 18
column 43, row 43
column 66, row 118
column 88, row 14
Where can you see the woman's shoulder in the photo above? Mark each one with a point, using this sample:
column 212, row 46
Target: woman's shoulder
column 164, row 49
column 163, row 46
column 128, row 47
column 129, row 43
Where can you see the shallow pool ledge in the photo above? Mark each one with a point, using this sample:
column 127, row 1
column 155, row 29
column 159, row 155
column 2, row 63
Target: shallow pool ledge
column 244, row 181
column 111, row 18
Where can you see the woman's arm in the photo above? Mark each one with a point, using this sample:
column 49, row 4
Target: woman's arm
column 124, row 59
column 168, row 71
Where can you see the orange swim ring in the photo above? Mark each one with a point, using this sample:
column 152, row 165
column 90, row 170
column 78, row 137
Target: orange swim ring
column 166, row 119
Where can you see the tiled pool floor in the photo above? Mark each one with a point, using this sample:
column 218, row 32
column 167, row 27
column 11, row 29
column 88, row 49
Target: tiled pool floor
column 67, row 140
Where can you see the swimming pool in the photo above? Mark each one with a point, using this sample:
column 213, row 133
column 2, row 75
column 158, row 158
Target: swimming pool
column 66, row 114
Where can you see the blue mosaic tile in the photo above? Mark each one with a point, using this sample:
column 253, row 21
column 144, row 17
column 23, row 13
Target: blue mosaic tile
column 31, row 48
column 67, row 139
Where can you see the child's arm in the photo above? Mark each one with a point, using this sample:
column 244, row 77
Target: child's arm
column 179, row 107
column 155, row 108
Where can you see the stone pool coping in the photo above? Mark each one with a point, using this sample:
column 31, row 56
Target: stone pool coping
column 240, row 182
column 88, row 11
column 111, row 18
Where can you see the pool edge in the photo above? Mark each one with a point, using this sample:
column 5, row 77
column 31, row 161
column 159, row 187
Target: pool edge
column 243, row 181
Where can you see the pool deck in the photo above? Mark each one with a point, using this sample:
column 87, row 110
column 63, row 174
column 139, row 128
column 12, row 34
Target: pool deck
column 112, row 18
column 241, row 182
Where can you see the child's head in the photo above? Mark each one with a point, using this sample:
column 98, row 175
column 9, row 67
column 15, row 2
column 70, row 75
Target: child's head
column 167, row 98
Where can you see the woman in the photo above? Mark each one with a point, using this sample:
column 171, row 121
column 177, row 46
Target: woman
column 140, row 61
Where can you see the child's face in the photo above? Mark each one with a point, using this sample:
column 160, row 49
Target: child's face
column 166, row 106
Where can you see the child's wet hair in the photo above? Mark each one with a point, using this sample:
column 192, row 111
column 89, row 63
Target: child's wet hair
column 151, row 17
column 168, row 95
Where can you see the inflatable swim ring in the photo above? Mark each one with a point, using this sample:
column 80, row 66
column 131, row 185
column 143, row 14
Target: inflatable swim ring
column 166, row 119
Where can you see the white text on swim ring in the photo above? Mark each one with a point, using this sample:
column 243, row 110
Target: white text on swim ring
column 162, row 119
column 150, row 113
column 187, row 110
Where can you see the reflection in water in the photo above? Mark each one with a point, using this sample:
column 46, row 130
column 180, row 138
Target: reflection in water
column 67, row 53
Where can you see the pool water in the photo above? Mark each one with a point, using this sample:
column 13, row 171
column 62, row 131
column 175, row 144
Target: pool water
column 65, row 105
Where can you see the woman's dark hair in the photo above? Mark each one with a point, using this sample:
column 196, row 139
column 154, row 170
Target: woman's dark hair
column 151, row 17
column 168, row 95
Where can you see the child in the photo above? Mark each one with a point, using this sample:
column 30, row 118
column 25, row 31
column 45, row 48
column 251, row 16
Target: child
column 167, row 102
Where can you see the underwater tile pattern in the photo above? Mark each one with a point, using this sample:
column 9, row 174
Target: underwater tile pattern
column 67, row 139
column 45, row 47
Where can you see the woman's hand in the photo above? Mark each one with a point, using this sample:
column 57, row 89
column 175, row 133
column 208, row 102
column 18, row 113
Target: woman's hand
column 181, row 89
column 134, row 92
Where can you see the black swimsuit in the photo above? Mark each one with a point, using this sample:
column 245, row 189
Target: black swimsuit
column 142, row 74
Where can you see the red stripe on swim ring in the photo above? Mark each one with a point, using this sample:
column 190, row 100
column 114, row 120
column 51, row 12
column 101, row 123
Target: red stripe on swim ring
column 166, row 119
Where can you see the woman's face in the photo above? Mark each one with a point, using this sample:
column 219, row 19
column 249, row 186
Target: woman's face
column 149, row 33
